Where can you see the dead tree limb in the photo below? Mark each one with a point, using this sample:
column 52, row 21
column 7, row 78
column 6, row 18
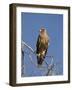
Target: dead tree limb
column 50, row 66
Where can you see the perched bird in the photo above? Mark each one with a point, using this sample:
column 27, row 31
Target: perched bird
column 42, row 45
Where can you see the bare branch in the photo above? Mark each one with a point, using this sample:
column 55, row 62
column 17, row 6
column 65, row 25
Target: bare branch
column 24, row 44
column 49, row 67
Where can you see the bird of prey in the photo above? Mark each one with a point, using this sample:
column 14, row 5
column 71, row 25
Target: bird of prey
column 42, row 45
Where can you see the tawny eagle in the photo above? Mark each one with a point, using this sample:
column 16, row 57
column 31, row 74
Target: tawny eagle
column 42, row 45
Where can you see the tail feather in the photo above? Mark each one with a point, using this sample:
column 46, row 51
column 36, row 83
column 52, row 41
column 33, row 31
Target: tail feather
column 40, row 60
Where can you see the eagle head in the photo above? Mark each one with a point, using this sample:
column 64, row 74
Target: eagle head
column 43, row 32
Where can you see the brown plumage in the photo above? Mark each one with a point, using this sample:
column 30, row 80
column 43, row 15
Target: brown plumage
column 42, row 45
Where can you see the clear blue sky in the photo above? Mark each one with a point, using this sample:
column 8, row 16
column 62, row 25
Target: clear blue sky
column 31, row 24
